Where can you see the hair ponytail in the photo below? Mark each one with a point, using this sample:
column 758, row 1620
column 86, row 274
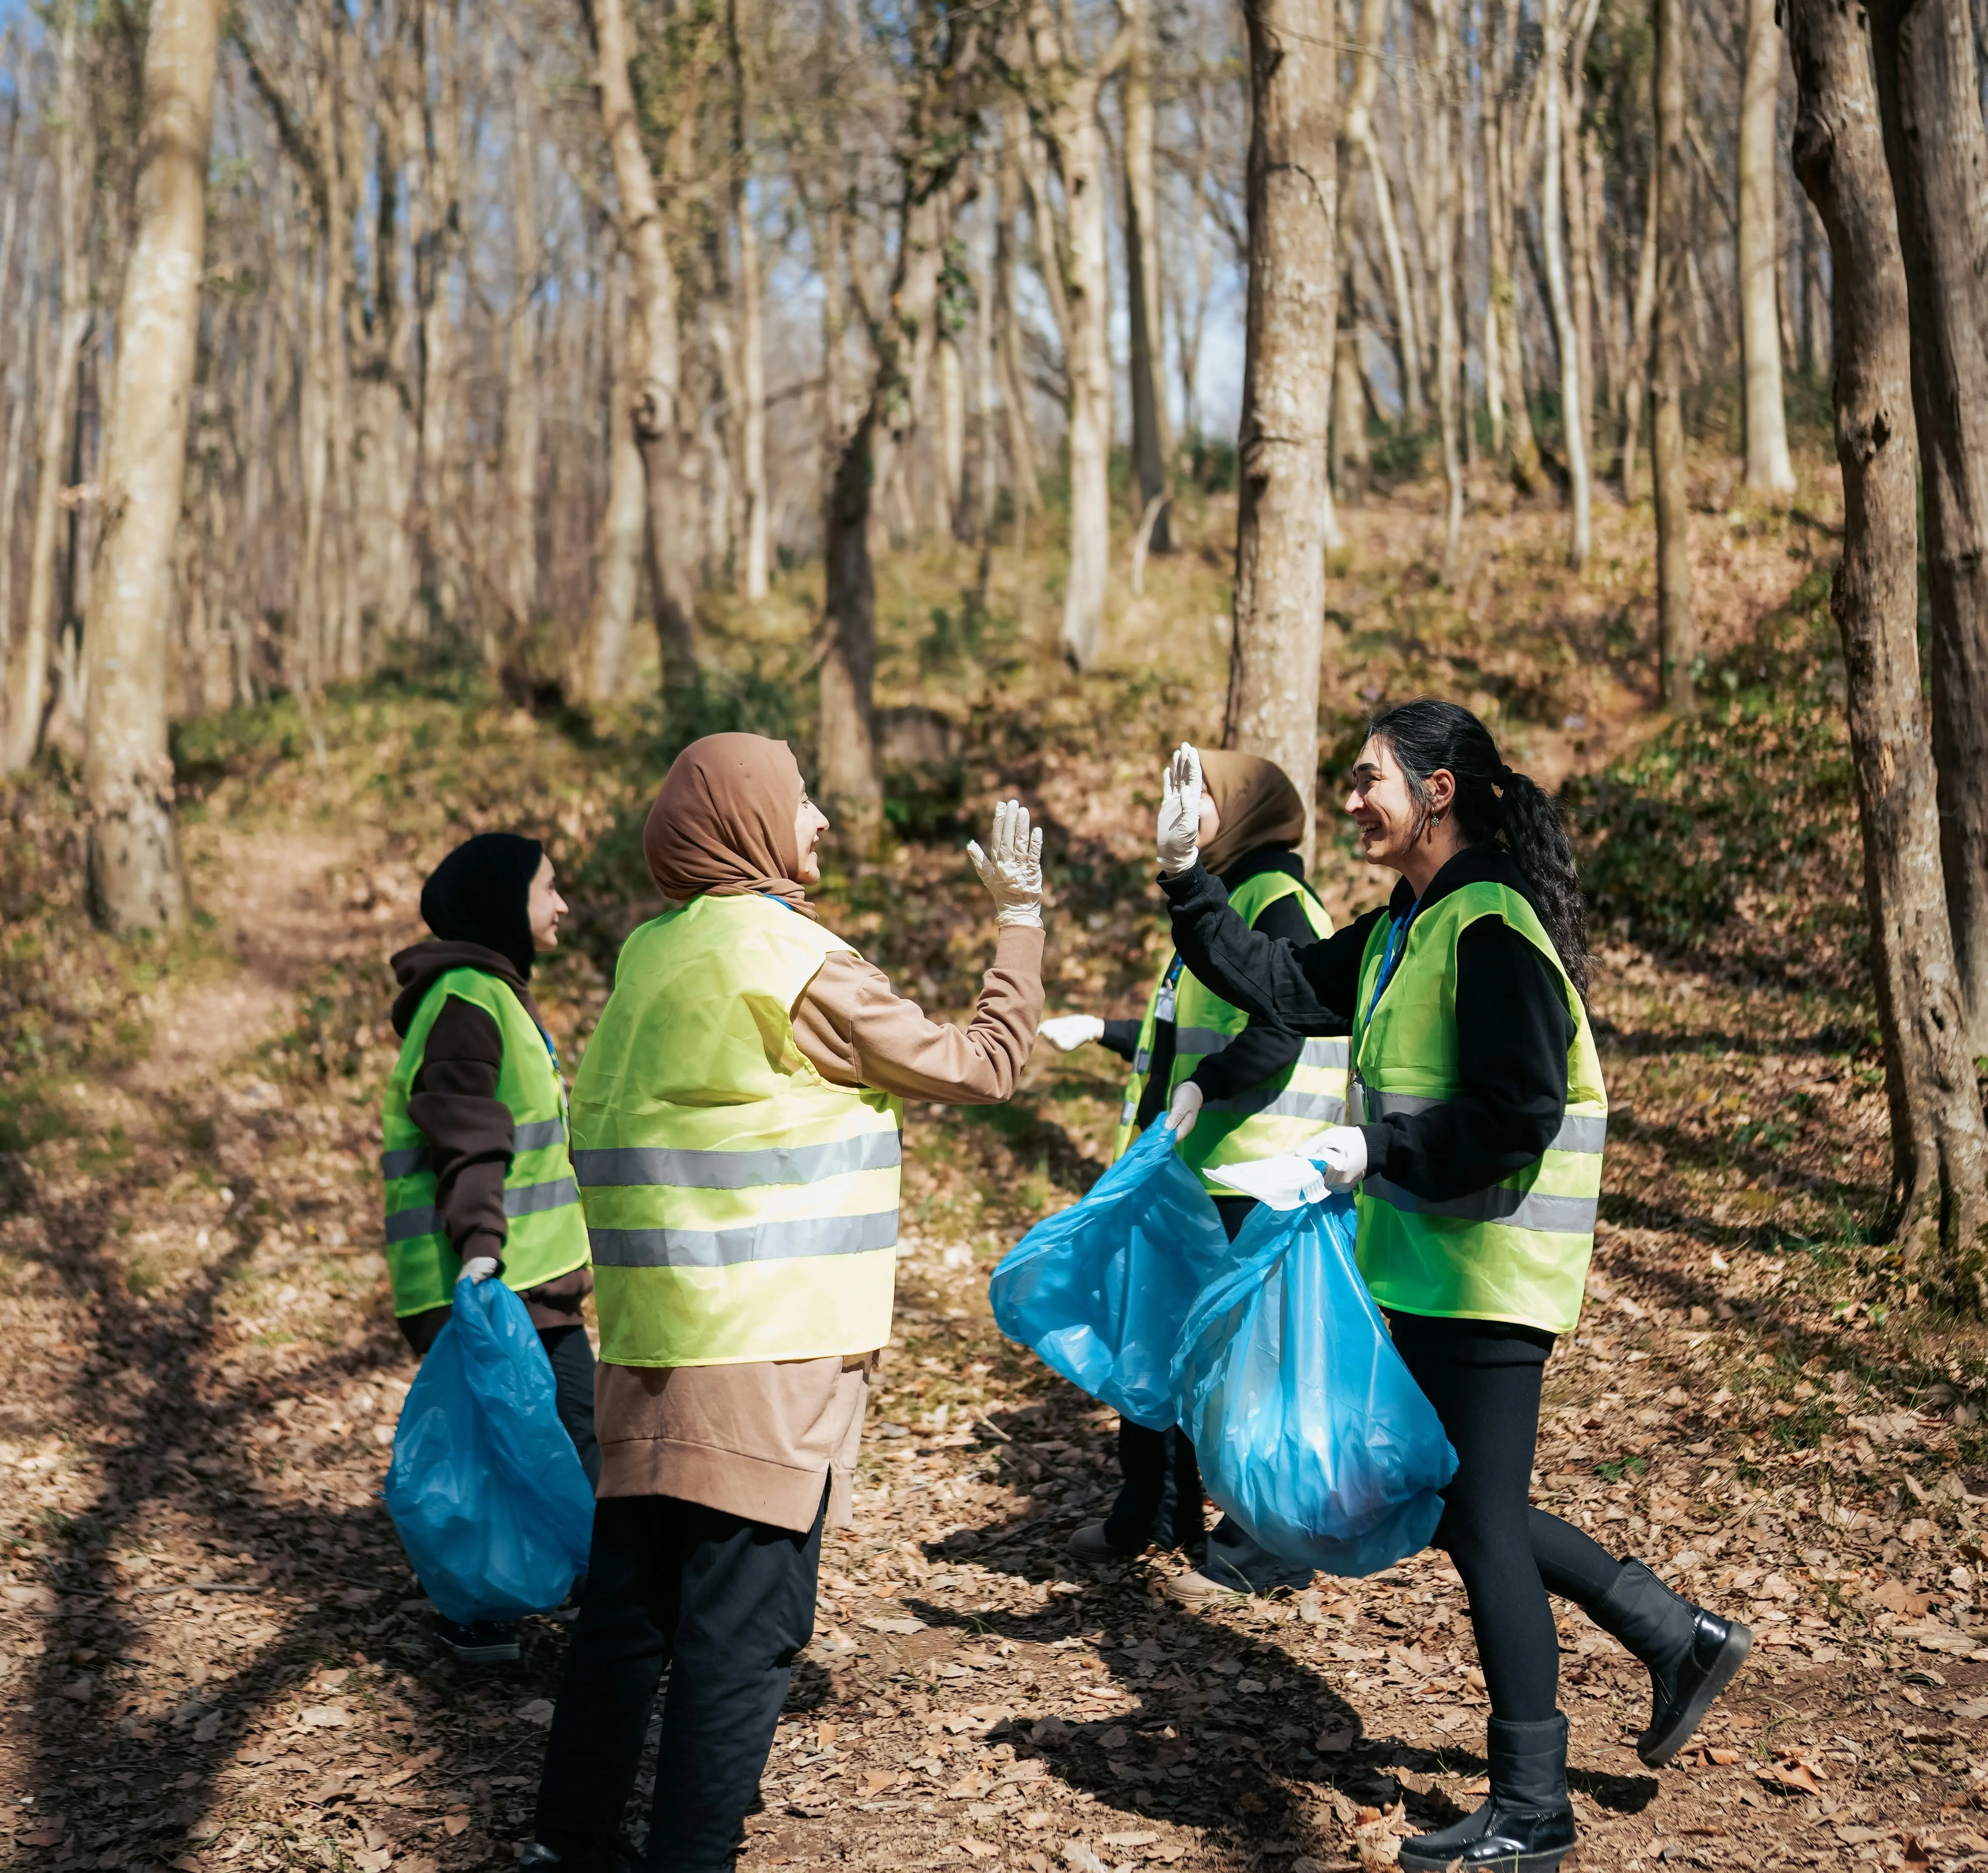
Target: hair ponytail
column 1494, row 805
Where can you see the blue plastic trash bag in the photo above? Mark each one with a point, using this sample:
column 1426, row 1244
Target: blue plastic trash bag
column 1308, row 1427
column 486, row 1487
column 1098, row 1291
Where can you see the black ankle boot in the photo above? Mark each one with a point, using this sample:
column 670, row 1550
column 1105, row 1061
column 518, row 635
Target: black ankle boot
column 1526, row 1827
column 1692, row 1654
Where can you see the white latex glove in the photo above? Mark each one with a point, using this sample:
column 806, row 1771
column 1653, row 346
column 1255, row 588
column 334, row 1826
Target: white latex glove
column 1285, row 1182
column 480, row 1267
column 1179, row 833
column 1065, row 1032
column 1184, row 1110
column 1013, row 873
column 1341, row 1153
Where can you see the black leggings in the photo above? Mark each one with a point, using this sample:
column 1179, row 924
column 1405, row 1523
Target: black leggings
column 1484, row 1381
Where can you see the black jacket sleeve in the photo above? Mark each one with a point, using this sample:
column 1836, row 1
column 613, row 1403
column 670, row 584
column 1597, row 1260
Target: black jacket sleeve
column 1121, row 1037
column 453, row 1101
column 1512, row 1032
column 1310, row 986
column 1265, row 1048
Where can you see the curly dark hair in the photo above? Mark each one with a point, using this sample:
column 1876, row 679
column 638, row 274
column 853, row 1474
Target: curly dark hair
column 1494, row 805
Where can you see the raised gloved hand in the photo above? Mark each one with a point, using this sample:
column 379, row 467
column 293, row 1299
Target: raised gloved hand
column 1341, row 1153
column 1185, row 1109
column 1177, row 836
column 480, row 1267
column 1065, row 1032
column 1013, row 869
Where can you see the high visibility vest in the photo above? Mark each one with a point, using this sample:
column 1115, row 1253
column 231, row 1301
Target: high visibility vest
column 545, row 1235
column 1519, row 1249
column 741, row 1207
column 1261, row 1121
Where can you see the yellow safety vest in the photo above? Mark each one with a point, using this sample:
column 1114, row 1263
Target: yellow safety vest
column 545, row 1234
column 1519, row 1249
column 1262, row 1121
column 741, row 1207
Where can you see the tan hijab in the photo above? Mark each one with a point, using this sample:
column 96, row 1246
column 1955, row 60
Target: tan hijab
column 723, row 825
column 1257, row 803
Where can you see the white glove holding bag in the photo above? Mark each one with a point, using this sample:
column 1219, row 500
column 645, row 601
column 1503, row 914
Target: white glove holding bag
column 480, row 1267
column 1067, row 1032
column 1340, row 1154
column 1184, row 1110
column 1013, row 870
column 1178, row 835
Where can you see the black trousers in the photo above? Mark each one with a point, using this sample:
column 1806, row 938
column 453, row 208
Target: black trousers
column 1484, row 1378
column 725, row 1604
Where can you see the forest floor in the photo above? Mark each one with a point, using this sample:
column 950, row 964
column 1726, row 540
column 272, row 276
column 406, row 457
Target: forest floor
column 212, row 1655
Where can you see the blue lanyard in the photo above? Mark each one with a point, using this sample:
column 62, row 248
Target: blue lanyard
column 1398, row 943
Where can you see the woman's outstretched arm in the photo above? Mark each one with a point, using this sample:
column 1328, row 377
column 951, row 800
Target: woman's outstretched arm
column 1310, row 986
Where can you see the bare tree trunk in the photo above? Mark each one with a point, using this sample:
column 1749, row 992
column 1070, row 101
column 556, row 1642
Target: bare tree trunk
column 134, row 861
column 1360, row 134
column 1444, row 133
column 1939, row 1146
column 1573, row 422
column 1768, row 468
column 1352, row 460
column 1937, row 147
column 1292, row 195
column 1636, row 378
column 1077, row 271
column 1815, row 335
column 952, row 438
column 1151, row 444
column 23, row 340
column 756, row 556
column 1501, row 195
column 655, row 349
column 1022, row 468
column 436, row 247
column 1677, row 624
column 28, row 694
column 618, row 578
column 521, row 378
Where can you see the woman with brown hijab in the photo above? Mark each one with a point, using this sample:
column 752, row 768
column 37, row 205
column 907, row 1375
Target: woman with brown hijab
column 1233, row 1089
column 736, row 1126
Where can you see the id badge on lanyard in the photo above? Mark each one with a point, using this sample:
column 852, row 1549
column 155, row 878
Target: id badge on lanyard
column 1167, row 1000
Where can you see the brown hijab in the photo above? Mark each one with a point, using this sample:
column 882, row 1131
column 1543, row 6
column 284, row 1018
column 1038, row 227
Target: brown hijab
column 1257, row 803
column 724, row 823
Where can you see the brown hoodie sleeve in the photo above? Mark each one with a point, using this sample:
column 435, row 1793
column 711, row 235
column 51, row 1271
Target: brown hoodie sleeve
column 467, row 1127
column 858, row 1031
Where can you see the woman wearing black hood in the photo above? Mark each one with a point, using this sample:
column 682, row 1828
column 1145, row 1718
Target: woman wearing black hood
column 478, row 1178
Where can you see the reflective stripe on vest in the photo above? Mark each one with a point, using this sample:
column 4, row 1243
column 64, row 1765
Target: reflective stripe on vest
column 1263, row 1119
column 545, row 1235
column 741, row 1207
column 1517, row 1250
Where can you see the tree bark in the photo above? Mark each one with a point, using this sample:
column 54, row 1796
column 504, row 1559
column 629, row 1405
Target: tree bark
column 1937, row 148
column 1573, row 422
column 1024, row 487
column 1677, row 624
column 1939, row 1145
column 28, row 694
column 1444, row 134
column 1360, row 134
column 520, row 467
column 756, row 559
column 1768, row 468
column 1293, row 198
column 655, row 348
column 134, row 862
column 1636, row 378
column 1151, row 444
column 1501, row 213
column 618, row 575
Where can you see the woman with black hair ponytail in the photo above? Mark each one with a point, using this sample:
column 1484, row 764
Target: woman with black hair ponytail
column 1478, row 1116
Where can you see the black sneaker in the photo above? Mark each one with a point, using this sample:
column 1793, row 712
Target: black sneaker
column 482, row 1641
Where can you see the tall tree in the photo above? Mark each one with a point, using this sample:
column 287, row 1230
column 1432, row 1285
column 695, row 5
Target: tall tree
column 618, row 561
column 652, row 328
column 135, row 862
column 1768, row 468
column 1362, row 135
column 1143, row 290
column 1676, row 623
column 751, row 324
column 1068, row 88
column 1939, row 1146
column 1292, row 192
column 1572, row 389
column 1937, row 148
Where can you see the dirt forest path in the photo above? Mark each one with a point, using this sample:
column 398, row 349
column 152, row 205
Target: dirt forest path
column 212, row 1656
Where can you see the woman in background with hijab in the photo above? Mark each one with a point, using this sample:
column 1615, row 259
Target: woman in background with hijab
column 737, row 1124
column 478, row 1179
column 1233, row 1089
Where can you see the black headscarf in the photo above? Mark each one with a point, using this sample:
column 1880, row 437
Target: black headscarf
column 481, row 893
